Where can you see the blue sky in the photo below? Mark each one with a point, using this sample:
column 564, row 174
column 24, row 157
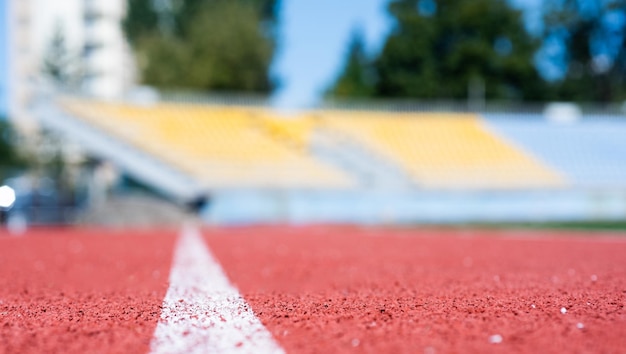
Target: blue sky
column 3, row 57
column 313, row 40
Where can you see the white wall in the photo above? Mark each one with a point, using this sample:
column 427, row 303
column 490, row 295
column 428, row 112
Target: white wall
column 110, row 64
column 46, row 14
column 22, row 64
column 113, row 61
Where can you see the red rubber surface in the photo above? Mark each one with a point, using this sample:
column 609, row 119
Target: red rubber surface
column 82, row 291
column 349, row 290
column 326, row 289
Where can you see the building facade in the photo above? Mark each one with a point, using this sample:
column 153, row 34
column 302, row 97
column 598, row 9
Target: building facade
column 96, row 44
column 108, row 64
column 21, row 66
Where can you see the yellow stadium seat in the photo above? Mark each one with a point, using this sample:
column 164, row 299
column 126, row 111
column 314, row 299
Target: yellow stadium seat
column 252, row 147
column 445, row 151
column 220, row 146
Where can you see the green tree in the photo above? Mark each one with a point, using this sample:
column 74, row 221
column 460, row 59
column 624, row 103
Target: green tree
column 357, row 77
column 438, row 48
column 10, row 158
column 222, row 45
column 58, row 62
column 594, row 53
column 163, row 61
column 141, row 20
column 184, row 11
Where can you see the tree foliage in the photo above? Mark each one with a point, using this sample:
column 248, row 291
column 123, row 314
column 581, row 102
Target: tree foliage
column 438, row 48
column 141, row 20
column 222, row 45
column 591, row 35
column 10, row 158
column 357, row 78
column 59, row 64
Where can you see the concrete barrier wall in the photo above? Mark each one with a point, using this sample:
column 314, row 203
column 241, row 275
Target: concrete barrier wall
column 241, row 207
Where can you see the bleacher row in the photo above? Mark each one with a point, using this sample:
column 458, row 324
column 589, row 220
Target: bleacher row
column 243, row 147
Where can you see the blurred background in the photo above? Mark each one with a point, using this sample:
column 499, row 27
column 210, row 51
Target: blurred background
column 133, row 112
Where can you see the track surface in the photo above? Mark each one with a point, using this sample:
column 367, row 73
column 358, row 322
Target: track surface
column 326, row 289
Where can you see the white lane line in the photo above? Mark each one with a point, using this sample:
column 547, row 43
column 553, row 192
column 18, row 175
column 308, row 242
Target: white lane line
column 202, row 312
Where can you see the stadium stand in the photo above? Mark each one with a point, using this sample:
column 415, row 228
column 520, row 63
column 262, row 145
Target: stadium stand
column 445, row 151
column 591, row 152
column 360, row 166
column 222, row 147
column 245, row 147
column 297, row 131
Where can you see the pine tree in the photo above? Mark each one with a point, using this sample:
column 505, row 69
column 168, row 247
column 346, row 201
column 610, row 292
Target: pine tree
column 438, row 48
column 357, row 77
column 594, row 53
column 224, row 45
column 57, row 61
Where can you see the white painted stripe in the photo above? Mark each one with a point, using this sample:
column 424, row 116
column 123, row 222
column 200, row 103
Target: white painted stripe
column 202, row 312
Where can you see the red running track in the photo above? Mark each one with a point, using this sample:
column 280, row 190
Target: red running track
column 82, row 291
column 327, row 289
